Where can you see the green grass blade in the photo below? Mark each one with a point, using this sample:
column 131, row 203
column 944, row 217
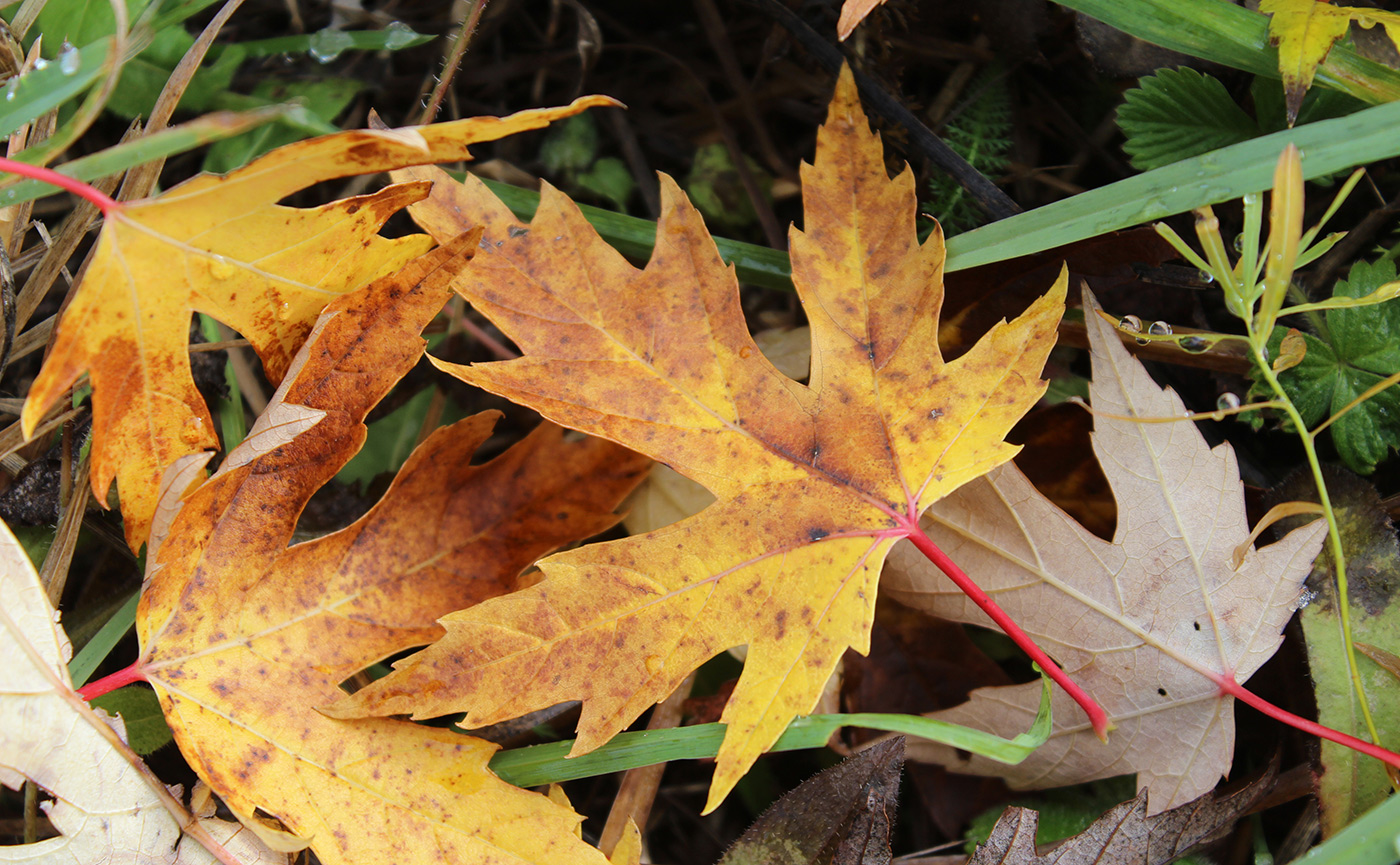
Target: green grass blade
column 176, row 139
column 545, row 764
column 1328, row 146
column 101, row 645
column 358, row 40
column 1225, row 33
column 42, row 90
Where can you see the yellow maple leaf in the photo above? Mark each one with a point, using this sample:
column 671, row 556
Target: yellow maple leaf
column 814, row 483
column 1304, row 31
column 241, row 636
column 222, row 245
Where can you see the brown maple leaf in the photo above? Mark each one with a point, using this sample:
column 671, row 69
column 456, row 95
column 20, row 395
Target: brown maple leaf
column 241, row 636
column 222, row 245
column 1149, row 623
column 814, row 483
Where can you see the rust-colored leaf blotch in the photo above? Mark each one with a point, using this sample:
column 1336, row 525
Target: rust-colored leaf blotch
column 813, row 483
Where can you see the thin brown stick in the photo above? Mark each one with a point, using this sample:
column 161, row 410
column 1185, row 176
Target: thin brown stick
column 454, row 61
column 639, row 786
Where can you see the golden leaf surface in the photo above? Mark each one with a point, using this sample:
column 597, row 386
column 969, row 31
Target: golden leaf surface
column 242, row 636
column 813, row 483
column 222, row 245
column 1304, row 31
column 1143, row 622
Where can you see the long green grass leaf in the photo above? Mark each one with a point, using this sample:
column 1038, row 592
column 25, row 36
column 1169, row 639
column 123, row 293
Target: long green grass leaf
column 545, row 764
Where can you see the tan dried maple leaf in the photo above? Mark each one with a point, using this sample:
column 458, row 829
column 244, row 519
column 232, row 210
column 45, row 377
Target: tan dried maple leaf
column 1147, row 623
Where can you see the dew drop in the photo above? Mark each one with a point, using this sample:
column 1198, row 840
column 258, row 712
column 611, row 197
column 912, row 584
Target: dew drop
column 1227, row 402
column 193, row 430
column 11, row 88
column 398, row 35
column 1205, row 276
column 1130, row 323
column 1239, row 242
column 1159, row 328
column 284, row 312
column 745, row 351
column 69, row 61
column 1194, row 344
column 40, row 63
column 326, row 45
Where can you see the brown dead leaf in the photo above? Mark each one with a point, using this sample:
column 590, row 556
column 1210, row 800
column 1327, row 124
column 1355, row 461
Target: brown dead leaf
column 243, row 637
column 1144, row 623
column 841, row 816
column 1125, row 834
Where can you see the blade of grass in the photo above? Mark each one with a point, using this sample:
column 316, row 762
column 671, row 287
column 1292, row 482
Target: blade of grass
column 544, row 764
column 360, row 40
column 100, row 646
column 1221, row 175
column 1234, row 36
column 42, row 90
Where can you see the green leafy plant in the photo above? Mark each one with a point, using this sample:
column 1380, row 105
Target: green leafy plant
column 1175, row 114
column 1354, row 350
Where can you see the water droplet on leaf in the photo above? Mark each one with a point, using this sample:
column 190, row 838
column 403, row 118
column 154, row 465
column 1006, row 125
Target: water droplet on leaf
column 326, row 45
column 1227, row 402
column 1194, row 344
column 1159, row 328
column 398, row 35
column 1130, row 323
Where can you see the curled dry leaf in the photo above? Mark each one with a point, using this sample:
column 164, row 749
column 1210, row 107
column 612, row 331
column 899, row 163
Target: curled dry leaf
column 106, row 809
column 813, row 483
column 1145, row 622
column 243, row 637
column 222, row 245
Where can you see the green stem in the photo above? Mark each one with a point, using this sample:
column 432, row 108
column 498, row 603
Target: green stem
column 1334, row 535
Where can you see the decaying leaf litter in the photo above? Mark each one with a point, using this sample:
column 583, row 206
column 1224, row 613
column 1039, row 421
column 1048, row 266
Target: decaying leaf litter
column 767, row 311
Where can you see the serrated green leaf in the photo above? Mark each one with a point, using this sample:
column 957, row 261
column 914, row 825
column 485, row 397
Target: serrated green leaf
column 1361, row 349
column 1179, row 113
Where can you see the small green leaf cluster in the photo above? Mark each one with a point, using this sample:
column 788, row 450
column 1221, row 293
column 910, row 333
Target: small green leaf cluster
column 1352, row 350
column 1175, row 114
